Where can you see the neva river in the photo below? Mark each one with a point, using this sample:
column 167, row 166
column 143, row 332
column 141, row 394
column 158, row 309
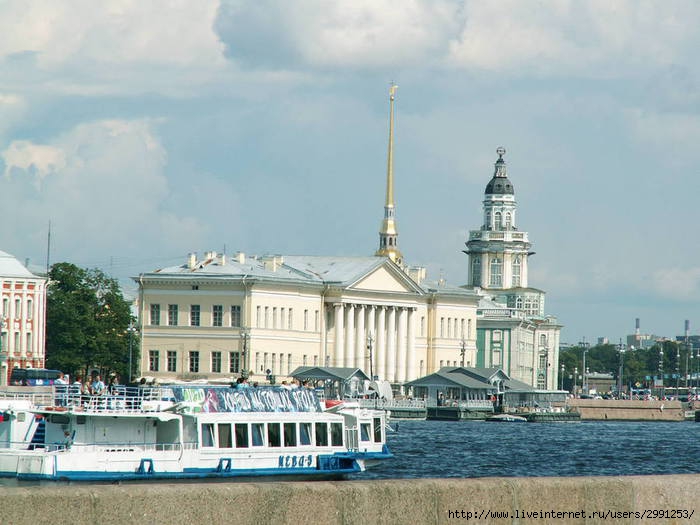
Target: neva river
column 472, row 449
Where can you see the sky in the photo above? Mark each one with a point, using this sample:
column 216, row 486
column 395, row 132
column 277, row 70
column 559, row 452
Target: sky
column 145, row 130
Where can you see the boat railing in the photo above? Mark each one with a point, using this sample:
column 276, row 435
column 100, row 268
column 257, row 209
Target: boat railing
column 391, row 403
column 119, row 399
column 119, row 447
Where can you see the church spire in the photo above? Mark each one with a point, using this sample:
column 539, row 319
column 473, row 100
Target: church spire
column 388, row 234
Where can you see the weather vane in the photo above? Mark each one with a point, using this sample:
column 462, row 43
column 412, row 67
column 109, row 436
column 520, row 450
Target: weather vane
column 501, row 151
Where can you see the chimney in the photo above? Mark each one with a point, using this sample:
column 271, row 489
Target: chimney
column 223, row 259
column 273, row 262
column 687, row 328
column 191, row 260
column 239, row 257
column 636, row 326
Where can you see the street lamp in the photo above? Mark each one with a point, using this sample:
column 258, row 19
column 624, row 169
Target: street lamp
column 575, row 379
column 561, row 378
column 370, row 340
column 244, row 335
column 584, row 385
column 131, row 329
column 678, row 367
column 661, row 365
column 621, row 348
column 463, row 350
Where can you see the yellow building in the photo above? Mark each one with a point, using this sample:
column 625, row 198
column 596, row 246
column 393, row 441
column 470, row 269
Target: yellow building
column 219, row 317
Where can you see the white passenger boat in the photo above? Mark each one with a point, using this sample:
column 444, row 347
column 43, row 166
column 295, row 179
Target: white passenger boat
column 186, row 432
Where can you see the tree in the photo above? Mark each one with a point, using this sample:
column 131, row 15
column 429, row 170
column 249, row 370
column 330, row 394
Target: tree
column 86, row 322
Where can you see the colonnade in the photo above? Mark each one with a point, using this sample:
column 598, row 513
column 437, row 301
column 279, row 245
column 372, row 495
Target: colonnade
column 392, row 329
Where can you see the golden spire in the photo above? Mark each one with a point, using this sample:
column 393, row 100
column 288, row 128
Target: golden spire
column 388, row 235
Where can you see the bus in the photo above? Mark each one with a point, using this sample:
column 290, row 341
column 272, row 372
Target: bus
column 33, row 376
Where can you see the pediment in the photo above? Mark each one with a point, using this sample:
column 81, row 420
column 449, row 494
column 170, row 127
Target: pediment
column 384, row 280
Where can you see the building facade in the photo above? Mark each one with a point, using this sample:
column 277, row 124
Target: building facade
column 22, row 317
column 513, row 331
column 221, row 317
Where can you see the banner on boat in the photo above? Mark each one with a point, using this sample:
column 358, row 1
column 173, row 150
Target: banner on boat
column 218, row 399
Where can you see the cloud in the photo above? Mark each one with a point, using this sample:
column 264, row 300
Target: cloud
column 676, row 284
column 318, row 34
column 103, row 187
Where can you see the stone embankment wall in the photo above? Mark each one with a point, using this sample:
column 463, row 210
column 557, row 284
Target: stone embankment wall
column 426, row 501
column 629, row 410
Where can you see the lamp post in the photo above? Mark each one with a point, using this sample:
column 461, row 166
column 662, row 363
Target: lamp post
column 621, row 348
column 245, row 337
column 584, row 385
column 370, row 340
column 678, row 367
column 575, row 379
column 561, row 378
column 463, row 350
column 130, row 331
column 661, row 365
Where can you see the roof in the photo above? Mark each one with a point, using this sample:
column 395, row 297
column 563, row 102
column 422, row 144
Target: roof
column 11, row 267
column 471, row 378
column 500, row 183
column 334, row 373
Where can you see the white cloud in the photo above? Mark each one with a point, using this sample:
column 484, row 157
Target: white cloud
column 107, row 191
column 676, row 284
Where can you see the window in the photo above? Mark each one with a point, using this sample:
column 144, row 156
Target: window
column 290, row 434
column 442, row 327
column 236, row 316
column 321, row 435
column 449, row 327
column 172, row 315
column 304, row 360
column 5, row 307
column 336, row 434
column 234, row 365
column 543, row 340
column 217, row 318
column 155, row 315
column 18, row 308
column 225, row 437
column 377, row 430
column 519, row 302
column 365, row 432
column 497, row 221
column 17, row 343
column 153, row 360
column 274, row 317
column 194, row 361
column 274, row 436
column 476, row 271
column 488, row 220
column 241, row 435
column 30, row 308
column 258, row 320
column 29, row 342
column 469, row 328
column 267, row 316
column 216, row 362
column 289, row 321
column 282, row 318
column 172, row 361
column 305, row 434
column 509, row 221
column 516, row 271
column 461, row 331
column 306, row 319
column 497, row 336
column 195, row 311
column 208, row 435
column 543, row 361
column 496, row 272
column 257, row 431
column 496, row 358
column 422, row 326
column 316, row 317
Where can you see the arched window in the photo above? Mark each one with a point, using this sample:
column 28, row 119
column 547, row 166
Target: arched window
column 476, row 271
column 516, row 271
column 497, row 224
column 519, row 303
column 496, row 278
column 509, row 221
column 488, row 220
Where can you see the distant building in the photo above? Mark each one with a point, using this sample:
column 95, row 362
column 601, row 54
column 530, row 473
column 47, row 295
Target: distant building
column 603, row 341
column 513, row 331
column 22, row 317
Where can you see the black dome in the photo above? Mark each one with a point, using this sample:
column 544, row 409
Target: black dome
column 500, row 186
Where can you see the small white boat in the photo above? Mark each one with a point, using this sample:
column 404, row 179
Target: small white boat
column 201, row 432
column 507, row 418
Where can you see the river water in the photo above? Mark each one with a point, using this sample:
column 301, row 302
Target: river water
column 472, row 449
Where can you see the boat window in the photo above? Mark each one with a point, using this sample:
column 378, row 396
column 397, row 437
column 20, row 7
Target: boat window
column 365, row 432
column 225, row 438
column 377, row 430
column 290, row 434
column 241, row 435
column 59, row 419
column 258, row 432
column 207, row 435
column 321, row 435
column 336, row 434
column 274, row 435
column 304, row 433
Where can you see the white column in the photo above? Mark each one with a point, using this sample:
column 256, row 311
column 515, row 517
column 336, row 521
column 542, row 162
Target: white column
column 411, row 372
column 381, row 342
column 349, row 335
column 391, row 345
column 372, row 330
column 361, row 341
column 401, row 346
column 339, row 353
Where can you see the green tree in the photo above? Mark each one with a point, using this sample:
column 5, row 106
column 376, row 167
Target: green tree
column 86, row 322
